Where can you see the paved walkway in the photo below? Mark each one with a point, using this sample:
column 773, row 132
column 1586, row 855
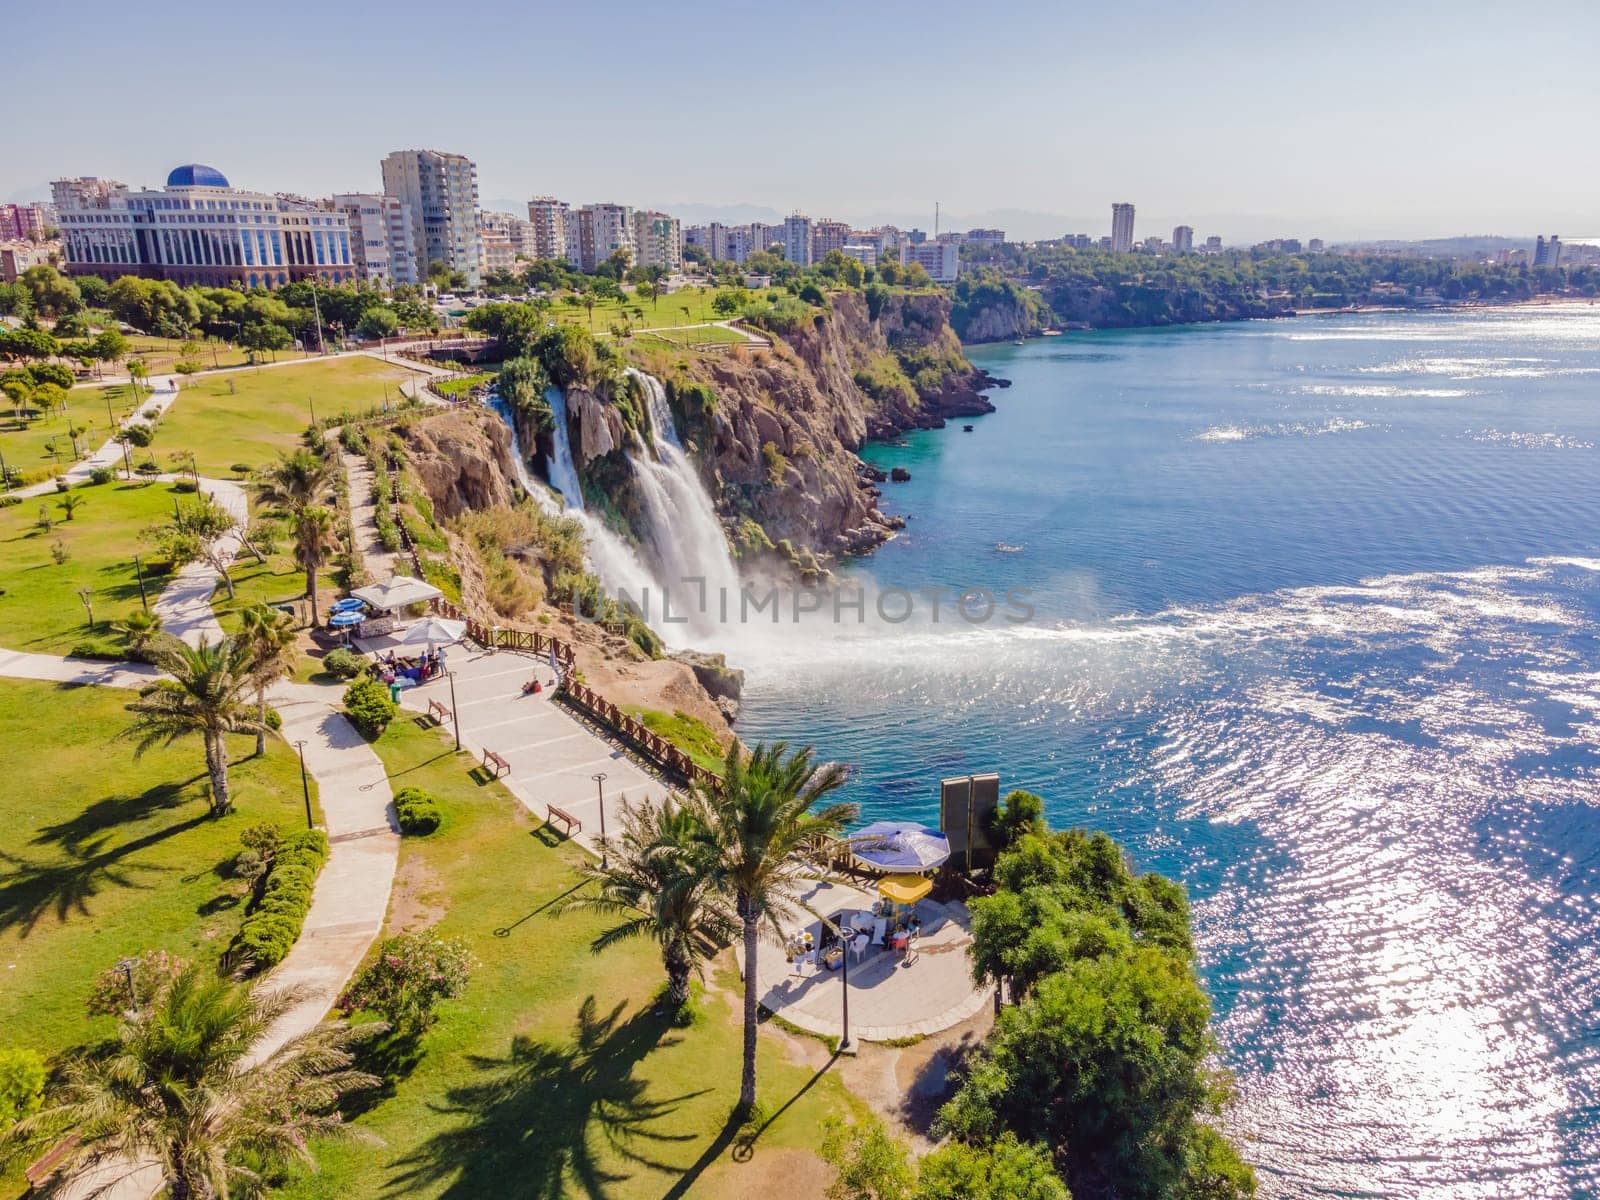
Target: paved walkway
column 553, row 753
column 163, row 391
column 893, row 995
column 184, row 605
column 364, row 515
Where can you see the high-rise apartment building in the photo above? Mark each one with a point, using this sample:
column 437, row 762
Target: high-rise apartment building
column 597, row 231
column 1121, row 228
column 941, row 260
column 442, row 192
column 826, row 236
column 200, row 230
column 24, row 222
column 1213, row 244
column 1182, row 239
column 796, row 239
column 657, row 241
column 548, row 216
column 382, row 241
column 1547, row 251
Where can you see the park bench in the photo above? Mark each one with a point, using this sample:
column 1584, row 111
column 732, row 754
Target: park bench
column 571, row 822
column 501, row 766
column 438, row 711
column 38, row 1173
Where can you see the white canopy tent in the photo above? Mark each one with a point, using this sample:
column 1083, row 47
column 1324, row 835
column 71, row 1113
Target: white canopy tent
column 400, row 592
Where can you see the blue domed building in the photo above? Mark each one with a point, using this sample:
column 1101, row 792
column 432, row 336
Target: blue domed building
column 196, row 175
column 202, row 230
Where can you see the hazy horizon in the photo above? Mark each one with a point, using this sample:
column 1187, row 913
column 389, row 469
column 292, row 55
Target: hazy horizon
column 1253, row 121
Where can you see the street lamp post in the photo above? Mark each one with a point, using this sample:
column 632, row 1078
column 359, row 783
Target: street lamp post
column 305, row 786
column 138, row 573
column 844, row 1042
column 599, row 778
column 455, row 715
column 126, row 964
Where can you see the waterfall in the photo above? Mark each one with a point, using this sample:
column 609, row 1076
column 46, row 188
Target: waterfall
column 612, row 559
column 559, row 466
column 686, row 535
column 536, row 490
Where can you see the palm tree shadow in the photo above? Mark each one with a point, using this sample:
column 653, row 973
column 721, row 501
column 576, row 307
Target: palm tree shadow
column 534, row 1122
column 90, row 824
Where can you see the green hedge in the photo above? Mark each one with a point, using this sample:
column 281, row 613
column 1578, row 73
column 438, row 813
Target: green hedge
column 418, row 811
column 367, row 704
column 274, row 924
column 343, row 664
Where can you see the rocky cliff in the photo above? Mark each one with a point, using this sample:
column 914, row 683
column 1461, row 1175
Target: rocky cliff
column 777, row 428
column 463, row 459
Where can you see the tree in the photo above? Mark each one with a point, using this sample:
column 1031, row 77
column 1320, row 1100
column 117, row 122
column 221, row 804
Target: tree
column 71, row 502
column 378, row 322
column 138, row 372
column 758, row 824
column 868, row 1163
column 314, row 542
column 271, row 637
column 264, row 338
column 141, row 628
column 297, row 481
column 27, row 343
column 658, row 878
column 204, row 696
column 182, row 1085
column 197, row 531
column 1007, row 1169
column 109, row 346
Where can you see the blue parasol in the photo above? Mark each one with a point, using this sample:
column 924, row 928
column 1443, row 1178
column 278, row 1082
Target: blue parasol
column 348, row 604
column 342, row 620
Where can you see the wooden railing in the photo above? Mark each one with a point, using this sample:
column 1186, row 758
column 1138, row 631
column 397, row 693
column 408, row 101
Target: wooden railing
column 494, row 637
column 668, row 756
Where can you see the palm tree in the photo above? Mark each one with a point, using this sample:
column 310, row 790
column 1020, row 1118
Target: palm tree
column 141, row 628
column 180, row 1086
column 270, row 635
column 71, row 502
column 314, row 541
column 297, row 481
column 204, row 695
column 658, row 880
column 757, row 824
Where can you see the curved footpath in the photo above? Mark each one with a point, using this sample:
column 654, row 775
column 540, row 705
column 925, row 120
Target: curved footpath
column 351, row 898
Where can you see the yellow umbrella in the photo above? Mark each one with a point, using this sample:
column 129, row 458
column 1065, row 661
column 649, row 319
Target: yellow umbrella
column 905, row 889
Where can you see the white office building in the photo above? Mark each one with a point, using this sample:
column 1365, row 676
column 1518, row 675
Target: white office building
column 1121, row 228
column 200, row 230
column 442, row 192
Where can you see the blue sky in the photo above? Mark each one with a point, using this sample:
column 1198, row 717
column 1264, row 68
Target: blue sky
column 1248, row 119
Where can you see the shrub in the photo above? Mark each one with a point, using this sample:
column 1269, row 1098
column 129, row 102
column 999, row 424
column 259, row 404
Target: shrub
column 184, row 485
column 271, row 929
column 98, row 648
column 153, row 973
column 344, row 664
column 418, row 811
column 21, row 1085
column 367, row 704
column 139, row 433
column 102, row 475
column 241, row 468
column 408, row 978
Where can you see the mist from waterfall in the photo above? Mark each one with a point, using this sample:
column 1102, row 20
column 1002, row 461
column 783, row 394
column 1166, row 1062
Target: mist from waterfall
column 536, row 490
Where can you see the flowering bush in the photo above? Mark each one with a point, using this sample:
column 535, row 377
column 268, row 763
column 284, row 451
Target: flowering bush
column 408, row 978
column 153, row 973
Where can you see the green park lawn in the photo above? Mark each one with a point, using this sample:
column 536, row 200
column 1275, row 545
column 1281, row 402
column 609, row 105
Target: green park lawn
column 160, row 354
column 105, row 855
column 39, row 604
column 42, row 446
column 248, row 417
column 668, row 311
column 552, row 1076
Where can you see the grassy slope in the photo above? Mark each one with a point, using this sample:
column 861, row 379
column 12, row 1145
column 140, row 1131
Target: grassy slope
column 691, row 735
column 23, row 442
column 105, row 855
column 667, row 312
column 267, row 410
column 551, row 1076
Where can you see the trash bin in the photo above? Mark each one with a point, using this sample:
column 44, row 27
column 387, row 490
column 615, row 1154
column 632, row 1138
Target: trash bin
column 394, row 691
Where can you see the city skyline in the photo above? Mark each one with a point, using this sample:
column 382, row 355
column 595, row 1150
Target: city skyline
column 1335, row 129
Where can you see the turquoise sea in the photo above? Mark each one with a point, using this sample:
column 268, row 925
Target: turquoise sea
column 1316, row 631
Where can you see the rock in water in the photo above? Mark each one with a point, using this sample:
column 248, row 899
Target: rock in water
column 900, row 475
column 722, row 683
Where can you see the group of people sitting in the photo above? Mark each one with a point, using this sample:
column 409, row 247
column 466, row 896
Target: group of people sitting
column 391, row 667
